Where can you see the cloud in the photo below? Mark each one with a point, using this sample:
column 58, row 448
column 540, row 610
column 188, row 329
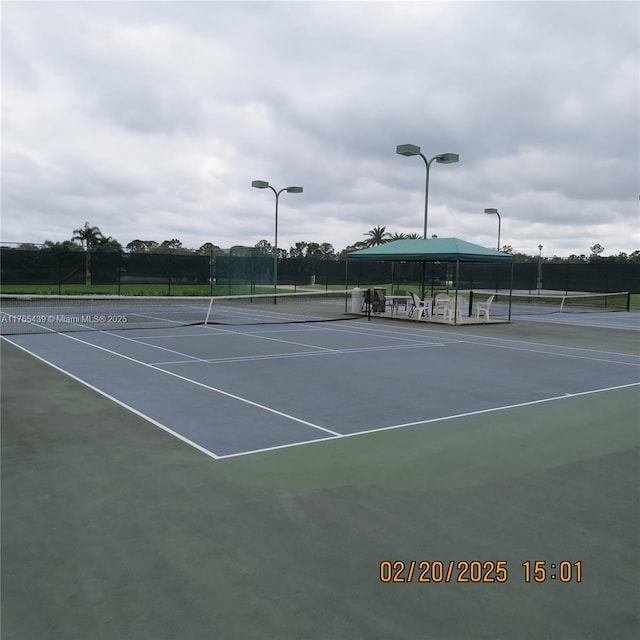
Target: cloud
column 151, row 119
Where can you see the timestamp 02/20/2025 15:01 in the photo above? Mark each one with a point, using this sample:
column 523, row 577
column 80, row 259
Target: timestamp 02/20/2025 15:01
column 479, row 571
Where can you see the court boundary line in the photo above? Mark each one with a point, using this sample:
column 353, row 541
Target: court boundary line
column 554, row 320
column 416, row 423
column 153, row 346
column 492, row 342
column 300, row 354
column 319, row 349
column 120, row 403
column 332, row 328
column 188, row 380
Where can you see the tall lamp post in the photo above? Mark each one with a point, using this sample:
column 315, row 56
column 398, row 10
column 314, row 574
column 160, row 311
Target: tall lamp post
column 540, row 247
column 442, row 158
column 261, row 184
column 492, row 211
column 496, row 212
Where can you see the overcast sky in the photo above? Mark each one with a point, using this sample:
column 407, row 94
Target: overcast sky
column 151, row 119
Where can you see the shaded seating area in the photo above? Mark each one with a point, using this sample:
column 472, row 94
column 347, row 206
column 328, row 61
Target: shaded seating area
column 450, row 307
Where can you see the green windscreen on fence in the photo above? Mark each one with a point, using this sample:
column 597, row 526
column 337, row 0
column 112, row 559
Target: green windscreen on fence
column 19, row 266
column 149, row 268
column 59, row 314
column 217, row 272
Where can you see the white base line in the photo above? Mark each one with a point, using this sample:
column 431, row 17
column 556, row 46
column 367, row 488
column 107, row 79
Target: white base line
column 195, row 382
column 118, row 402
column 503, row 408
column 432, row 420
column 205, row 386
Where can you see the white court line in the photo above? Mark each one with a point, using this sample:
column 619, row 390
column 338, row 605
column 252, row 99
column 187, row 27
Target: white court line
column 264, row 336
column 195, row 382
column 561, row 355
column 435, row 340
column 293, row 354
column 118, row 402
column 319, row 350
column 404, row 425
column 303, row 354
column 491, row 341
column 297, row 344
column 583, row 322
column 153, row 346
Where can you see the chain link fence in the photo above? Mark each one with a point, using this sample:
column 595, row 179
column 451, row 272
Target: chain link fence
column 27, row 270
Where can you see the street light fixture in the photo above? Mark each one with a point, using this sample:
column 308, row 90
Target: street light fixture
column 442, row 158
column 496, row 212
column 262, row 184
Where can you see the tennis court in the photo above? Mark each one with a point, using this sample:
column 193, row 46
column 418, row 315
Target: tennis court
column 244, row 479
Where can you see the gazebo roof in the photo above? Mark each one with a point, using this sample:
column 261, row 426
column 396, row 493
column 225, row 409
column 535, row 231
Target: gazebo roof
column 430, row 250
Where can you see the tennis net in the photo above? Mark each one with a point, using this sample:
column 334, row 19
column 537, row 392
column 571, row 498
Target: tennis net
column 57, row 314
column 544, row 303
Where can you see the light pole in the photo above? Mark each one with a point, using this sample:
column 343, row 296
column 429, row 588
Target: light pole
column 496, row 212
column 442, row 158
column 540, row 247
column 492, row 211
column 261, row 184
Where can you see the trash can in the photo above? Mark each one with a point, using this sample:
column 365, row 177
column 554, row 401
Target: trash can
column 357, row 298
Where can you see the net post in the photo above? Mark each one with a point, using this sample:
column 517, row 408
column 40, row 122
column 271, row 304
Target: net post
column 628, row 300
column 206, row 320
column 470, row 302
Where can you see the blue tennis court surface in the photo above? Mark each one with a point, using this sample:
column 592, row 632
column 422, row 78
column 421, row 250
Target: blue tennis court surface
column 238, row 390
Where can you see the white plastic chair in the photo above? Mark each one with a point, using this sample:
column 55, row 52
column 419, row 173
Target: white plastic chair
column 422, row 308
column 450, row 309
column 483, row 308
column 441, row 300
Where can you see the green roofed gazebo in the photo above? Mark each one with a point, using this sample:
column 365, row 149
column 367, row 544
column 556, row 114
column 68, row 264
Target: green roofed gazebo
column 423, row 250
column 431, row 250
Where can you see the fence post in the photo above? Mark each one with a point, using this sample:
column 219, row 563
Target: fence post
column 59, row 254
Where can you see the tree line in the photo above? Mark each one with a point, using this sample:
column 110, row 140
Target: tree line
column 90, row 238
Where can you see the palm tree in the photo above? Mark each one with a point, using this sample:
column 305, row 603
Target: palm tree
column 377, row 235
column 89, row 237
